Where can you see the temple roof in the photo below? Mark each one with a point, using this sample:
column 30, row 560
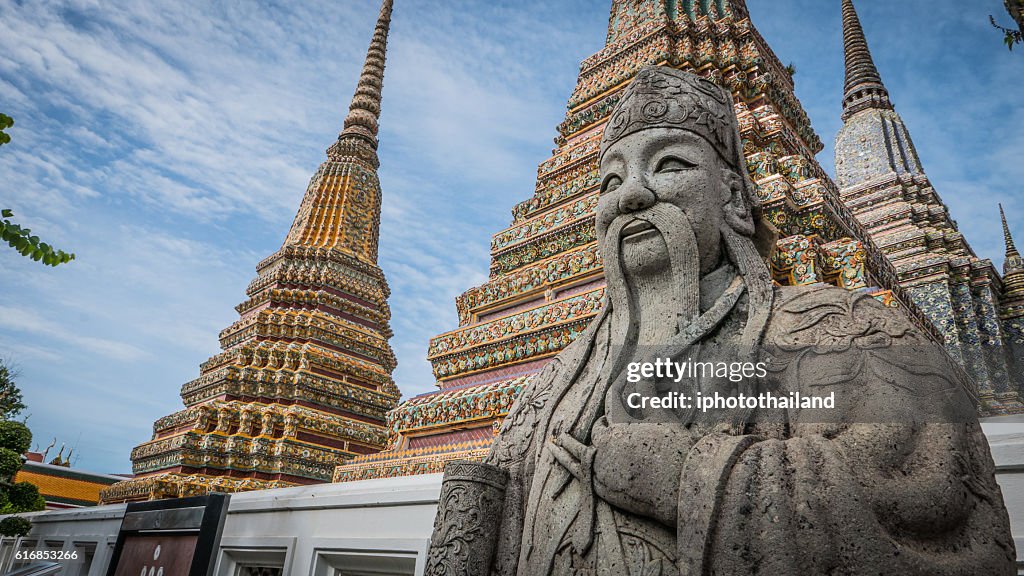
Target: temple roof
column 341, row 207
column 874, row 142
column 303, row 380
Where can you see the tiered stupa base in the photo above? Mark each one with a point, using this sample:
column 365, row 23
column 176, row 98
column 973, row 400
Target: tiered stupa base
column 431, row 429
column 173, row 485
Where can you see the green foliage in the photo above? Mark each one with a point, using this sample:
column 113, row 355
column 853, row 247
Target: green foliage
column 15, row 436
column 10, row 463
column 23, row 497
column 1011, row 37
column 15, row 440
column 5, row 123
column 14, row 526
column 21, row 239
column 10, row 395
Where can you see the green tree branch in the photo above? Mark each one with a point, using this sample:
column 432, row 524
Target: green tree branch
column 21, row 239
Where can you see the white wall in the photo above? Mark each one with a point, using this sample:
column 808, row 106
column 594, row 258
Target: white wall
column 369, row 527
column 1006, row 438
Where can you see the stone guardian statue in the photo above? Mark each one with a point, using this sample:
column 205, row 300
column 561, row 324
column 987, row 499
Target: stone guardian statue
column 896, row 479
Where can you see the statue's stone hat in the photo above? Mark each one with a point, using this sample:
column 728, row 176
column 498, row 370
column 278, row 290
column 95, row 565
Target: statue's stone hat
column 663, row 97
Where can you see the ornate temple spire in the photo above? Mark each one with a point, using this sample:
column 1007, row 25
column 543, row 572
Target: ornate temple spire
column 1013, row 268
column 864, row 88
column 874, row 142
column 1013, row 262
column 341, row 208
column 364, row 111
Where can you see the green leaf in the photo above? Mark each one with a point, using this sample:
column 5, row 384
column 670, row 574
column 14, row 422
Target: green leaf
column 21, row 239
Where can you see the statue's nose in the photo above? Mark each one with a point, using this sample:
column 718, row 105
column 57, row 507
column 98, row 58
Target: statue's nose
column 636, row 198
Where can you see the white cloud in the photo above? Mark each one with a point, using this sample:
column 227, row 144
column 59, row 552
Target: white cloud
column 18, row 320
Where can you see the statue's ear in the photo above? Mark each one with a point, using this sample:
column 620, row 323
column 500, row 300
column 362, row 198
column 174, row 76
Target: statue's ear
column 738, row 212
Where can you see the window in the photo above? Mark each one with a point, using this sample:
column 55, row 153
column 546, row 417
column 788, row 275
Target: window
column 24, row 546
column 252, row 559
column 369, row 556
column 247, row 570
column 7, row 547
column 375, row 563
column 80, row 566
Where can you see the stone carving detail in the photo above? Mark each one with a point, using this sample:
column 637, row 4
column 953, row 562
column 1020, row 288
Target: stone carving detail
column 896, row 479
column 463, row 540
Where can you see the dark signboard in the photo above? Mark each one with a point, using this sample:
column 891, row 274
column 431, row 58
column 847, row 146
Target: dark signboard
column 170, row 537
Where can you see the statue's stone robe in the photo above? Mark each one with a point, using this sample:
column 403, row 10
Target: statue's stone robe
column 896, row 480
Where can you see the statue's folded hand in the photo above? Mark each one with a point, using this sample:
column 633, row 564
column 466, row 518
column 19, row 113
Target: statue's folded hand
column 577, row 458
column 637, row 466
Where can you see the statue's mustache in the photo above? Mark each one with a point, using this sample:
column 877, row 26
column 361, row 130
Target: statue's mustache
column 684, row 260
column 668, row 219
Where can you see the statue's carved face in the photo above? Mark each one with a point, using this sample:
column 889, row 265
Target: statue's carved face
column 672, row 167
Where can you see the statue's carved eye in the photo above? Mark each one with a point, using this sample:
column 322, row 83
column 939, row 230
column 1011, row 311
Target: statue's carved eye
column 674, row 164
column 611, row 182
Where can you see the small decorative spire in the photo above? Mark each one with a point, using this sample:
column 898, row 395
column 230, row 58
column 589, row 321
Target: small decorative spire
column 1013, row 262
column 864, row 88
column 364, row 112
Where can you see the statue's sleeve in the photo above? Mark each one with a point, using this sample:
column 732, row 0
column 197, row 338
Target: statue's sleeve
column 513, row 451
column 898, row 480
column 480, row 507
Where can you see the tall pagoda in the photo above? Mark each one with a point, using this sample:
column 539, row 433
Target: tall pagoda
column 546, row 277
column 882, row 181
column 304, row 379
column 1011, row 309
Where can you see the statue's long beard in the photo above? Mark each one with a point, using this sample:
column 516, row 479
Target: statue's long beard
column 623, row 289
column 684, row 272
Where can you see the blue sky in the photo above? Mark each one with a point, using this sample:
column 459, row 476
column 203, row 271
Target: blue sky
column 168, row 144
